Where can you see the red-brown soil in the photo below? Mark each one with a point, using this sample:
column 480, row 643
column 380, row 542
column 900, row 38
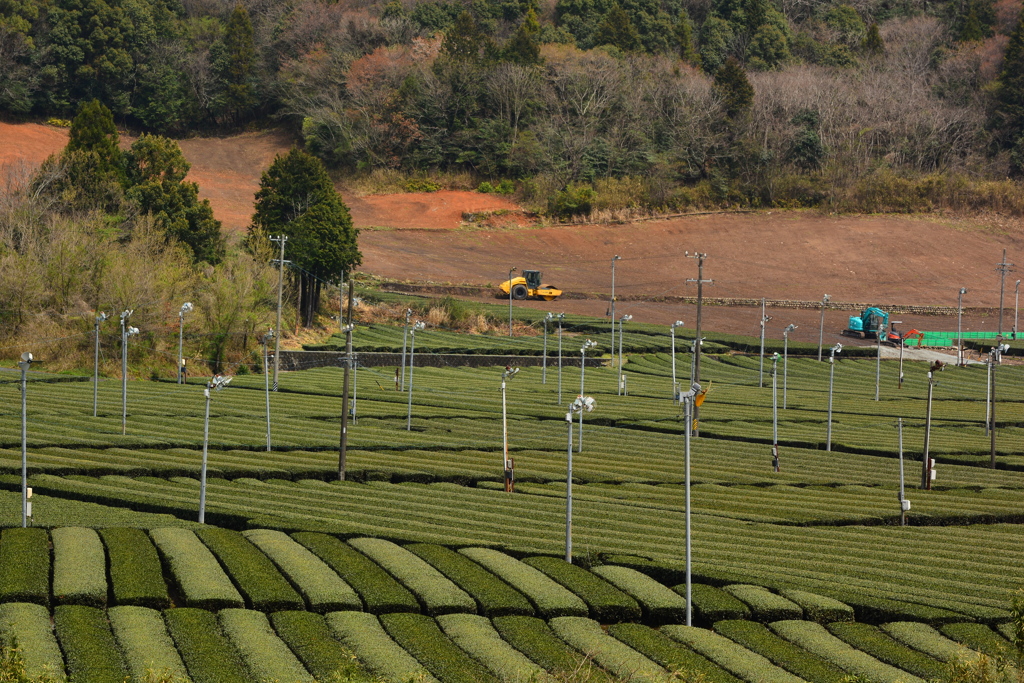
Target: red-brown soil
column 423, row 210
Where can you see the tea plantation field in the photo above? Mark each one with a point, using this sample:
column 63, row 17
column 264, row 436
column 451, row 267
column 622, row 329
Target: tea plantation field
column 420, row 565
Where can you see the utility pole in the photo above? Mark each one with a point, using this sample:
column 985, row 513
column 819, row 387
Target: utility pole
column 100, row 317
column 1003, row 268
column 510, row 272
column 760, row 370
column 561, row 317
column 343, row 446
column 996, row 358
column 281, row 239
column 611, row 309
column 926, row 474
column 959, row 327
column 904, row 503
column 821, row 324
column 696, row 348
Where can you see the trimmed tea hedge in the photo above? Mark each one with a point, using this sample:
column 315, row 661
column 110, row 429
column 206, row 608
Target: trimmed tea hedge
column 29, row 625
column 363, row 634
column 814, row 638
column 143, row 638
column 818, row 608
column 25, row 566
column 79, row 567
column 926, row 639
column 477, row 636
column 765, row 605
column 734, row 658
column 89, row 648
column 379, row 592
column 779, row 651
column 265, row 655
column 202, row 582
column 885, row 648
column 209, row 656
column 978, row 637
column 661, row 649
column 712, row 604
column 607, row 603
column 661, row 605
column 320, row 585
column 612, row 655
column 136, row 576
column 536, row 640
column 494, row 597
column 421, row 637
column 310, row 639
column 253, row 573
column 436, row 593
column 549, row 598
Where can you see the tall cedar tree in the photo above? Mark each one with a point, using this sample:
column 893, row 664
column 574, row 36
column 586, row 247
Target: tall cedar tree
column 733, row 87
column 464, row 39
column 1009, row 112
column 524, row 46
column 296, row 198
column 873, row 43
column 684, row 35
column 617, row 30
column 235, row 64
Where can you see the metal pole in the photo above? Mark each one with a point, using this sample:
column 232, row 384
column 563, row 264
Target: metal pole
column 266, row 383
column 412, row 364
column 620, row 355
column 504, row 427
column 926, row 480
column 24, row 365
column 96, row 366
column 903, row 512
column 612, row 304
column 760, row 367
column 675, row 389
column 280, row 294
column 959, row 327
column 355, row 386
column 1016, row 304
column 343, row 442
column 583, row 369
column 405, row 337
column 1004, row 268
column 544, row 365
column 181, row 334
column 560, row 316
column 202, row 474
column 695, row 375
column 775, row 406
column 992, row 431
column 821, row 324
column 831, row 382
column 878, row 359
column 988, row 396
column 124, row 373
column 688, row 410
column 785, row 368
column 568, row 492
column 511, row 270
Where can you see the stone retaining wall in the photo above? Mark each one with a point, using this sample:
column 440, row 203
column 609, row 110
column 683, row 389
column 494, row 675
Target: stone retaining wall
column 303, row 360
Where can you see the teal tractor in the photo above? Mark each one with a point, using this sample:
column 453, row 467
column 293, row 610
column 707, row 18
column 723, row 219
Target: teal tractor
column 867, row 324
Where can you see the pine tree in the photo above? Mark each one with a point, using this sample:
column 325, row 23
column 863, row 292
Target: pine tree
column 735, row 90
column 684, row 35
column 235, row 63
column 617, row 30
column 1008, row 117
column 873, row 43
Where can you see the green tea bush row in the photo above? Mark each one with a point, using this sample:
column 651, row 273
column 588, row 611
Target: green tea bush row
column 25, row 566
column 815, row 639
column 421, row 637
column 79, row 567
column 610, row 654
column 379, row 592
column 136, row 577
column 757, row 638
column 607, row 603
column 209, row 656
column 534, row 638
column 736, row 659
column 926, row 639
column 28, row 625
column 259, row 581
column 661, row 605
column 765, row 605
column 885, row 648
column 549, row 598
column 90, row 652
column 437, row 593
column 711, row 604
column 322, row 588
column 978, row 637
column 142, row 636
column 202, row 582
column 363, row 634
column 818, row 608
column 875, row 610
column 659, row 648
column 321, row 653
column 494, row 597
column 265, row 655
column 477, row 636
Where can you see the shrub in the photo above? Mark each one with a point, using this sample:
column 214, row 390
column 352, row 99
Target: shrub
column 612, row 655
column 136, row 576
column 926, row 639
column 79, row 567
column 660, row 604
column 574, row 200
column 607, row 603
column 143, row 638
column 485, row 187
column 883, row 647
column 437, row 593
column 322, row 588
column 477, row 636
column 28, row 625
column 379, row 591
column 711, row 604
column 200, row 578
column 310, row 639
column 978, row 637
column 535, row 639
column 25, row 566
column 670, row 654
column 421, row 637
column 421, row 185
column 734, row 658
column 209, row 656
column 363, row 634
column 765, row 605
column 494, row 597
column 550, row 599
column 814, row 638
column 819, row 608
column 89, row 648
column 252, row 572
column 265, row 655
column 757, row 638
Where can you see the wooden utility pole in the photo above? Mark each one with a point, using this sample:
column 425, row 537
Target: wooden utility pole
column 696, row 344
column 343, row 447
column 280, row 293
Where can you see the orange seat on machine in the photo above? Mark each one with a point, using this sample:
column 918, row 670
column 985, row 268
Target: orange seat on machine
column 698, row 400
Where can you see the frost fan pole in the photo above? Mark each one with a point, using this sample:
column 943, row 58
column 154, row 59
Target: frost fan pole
column 343, row 446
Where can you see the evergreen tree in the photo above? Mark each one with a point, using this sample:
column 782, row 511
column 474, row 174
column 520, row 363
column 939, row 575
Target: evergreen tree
column 769, row 48
column 684, row 35
column 93, row 130
column 733, row 87
column 524, row 45
column 716, row 39
column 464, row 40
column 1008, row 116
column 296, row 198
column 972, row 30
column 235, row 60
column 873, row 43
column 617, row 30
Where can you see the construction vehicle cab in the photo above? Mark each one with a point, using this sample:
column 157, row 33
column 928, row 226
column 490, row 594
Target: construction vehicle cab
column 529, row 286
column 866, row 325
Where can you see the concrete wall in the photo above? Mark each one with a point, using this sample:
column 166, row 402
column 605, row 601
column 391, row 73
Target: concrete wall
column 302, row 360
